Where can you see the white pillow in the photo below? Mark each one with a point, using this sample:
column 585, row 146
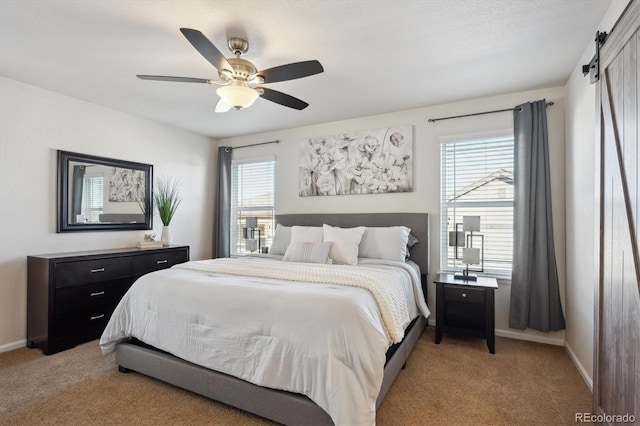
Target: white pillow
column 308, row 234
column 281, row 239
column 344, row 247
column 306, row 252
column 388, row 243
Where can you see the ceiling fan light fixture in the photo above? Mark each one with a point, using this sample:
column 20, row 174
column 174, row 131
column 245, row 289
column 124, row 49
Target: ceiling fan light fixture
column 237, row 94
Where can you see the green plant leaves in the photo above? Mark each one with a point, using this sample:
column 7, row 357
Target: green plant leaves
column 167, row 199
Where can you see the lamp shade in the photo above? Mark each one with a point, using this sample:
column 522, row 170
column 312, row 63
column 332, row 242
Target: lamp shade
column 251, row 222
column 237, row 94
column 471, row 223
column 471, row 256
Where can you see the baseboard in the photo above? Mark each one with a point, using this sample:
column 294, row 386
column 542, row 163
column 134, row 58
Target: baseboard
column 11, row 346
column 530, row 337
column 520, row 336
column 546, row 340
column 579, row 366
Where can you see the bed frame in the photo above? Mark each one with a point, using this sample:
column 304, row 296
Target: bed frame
column 281, row 406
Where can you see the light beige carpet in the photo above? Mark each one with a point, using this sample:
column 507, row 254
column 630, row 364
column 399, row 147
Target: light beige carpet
column 455, row 383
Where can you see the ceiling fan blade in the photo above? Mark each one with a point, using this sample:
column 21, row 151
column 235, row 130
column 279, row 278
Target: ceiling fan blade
column 222, row 107
column 291, row 71
column 175, row 79
column 282, row 98
column 206, row 49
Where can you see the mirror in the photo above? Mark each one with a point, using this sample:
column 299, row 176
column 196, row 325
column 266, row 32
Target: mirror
column 101, row 194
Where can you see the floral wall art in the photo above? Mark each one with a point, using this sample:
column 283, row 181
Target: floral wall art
column 126, row 185
column 370, row 162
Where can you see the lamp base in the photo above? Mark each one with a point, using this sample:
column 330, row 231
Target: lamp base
column 466, row 277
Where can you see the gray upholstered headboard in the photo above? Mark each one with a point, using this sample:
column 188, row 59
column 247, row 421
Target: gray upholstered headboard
column 418, row 222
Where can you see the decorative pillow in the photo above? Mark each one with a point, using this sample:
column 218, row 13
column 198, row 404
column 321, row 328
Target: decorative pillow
column 308, row 234
column 411, row 241
column 388, row 243
column 281, row 239
column 299, row 251
column 344, row 247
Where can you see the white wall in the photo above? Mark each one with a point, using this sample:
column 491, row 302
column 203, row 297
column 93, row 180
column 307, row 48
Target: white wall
column 581, row 172
column 34, row 123
column 426, row 194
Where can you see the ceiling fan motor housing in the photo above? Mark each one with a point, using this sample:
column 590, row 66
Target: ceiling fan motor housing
column 242, row 70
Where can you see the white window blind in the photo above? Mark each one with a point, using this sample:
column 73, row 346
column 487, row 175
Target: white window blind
column 477, row 180
column 93, row 197
column 252, row 187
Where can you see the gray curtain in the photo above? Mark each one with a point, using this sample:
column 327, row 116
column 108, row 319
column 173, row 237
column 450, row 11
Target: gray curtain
column 76, row 192
column 222, row 226
column 535, row 296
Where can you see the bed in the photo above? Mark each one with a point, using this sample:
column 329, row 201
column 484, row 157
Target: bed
column 289, row 373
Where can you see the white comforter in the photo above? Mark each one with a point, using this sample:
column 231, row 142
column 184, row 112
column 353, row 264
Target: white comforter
column 323, row 340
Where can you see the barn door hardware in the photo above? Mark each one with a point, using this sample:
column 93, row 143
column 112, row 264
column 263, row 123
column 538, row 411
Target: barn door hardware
column 593, row 67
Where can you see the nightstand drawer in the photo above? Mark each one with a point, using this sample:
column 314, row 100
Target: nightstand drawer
column 92, row 271
column 463, row 294
column 146, row 263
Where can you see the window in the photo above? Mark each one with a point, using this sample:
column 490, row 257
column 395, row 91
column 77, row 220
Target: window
column 477, row 180
column 93, row 197
column 251, row 196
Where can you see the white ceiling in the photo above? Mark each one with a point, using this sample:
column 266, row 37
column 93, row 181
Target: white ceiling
column 379, row 56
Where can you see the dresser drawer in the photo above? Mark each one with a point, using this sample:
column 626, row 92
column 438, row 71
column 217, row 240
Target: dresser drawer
column 146, row 263
column 463, row 294
column 92, row 271
column 84, row 324
column 91, row 295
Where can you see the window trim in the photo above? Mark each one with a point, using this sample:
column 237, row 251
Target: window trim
column 252, row 160
column 468, row 137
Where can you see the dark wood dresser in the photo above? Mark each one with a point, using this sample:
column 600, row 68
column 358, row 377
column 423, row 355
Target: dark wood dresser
column 71, row 296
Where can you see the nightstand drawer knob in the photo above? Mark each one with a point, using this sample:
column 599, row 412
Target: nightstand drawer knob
column 159, row 262
column 464, row 294
column 96, row 317
column 99, row 293
column 93, row 271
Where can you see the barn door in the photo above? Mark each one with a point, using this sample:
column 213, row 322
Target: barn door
column 617, row 344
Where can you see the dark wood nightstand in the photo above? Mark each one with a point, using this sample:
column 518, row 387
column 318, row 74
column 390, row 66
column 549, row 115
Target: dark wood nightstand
column 466, row 307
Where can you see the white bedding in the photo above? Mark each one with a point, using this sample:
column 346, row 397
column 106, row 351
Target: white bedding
column 326, row 341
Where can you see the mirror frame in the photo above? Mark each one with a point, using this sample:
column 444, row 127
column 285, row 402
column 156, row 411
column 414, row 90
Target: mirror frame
column 62, row 222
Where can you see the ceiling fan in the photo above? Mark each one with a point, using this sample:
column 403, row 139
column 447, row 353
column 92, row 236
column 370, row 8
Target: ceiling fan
column 240, row 79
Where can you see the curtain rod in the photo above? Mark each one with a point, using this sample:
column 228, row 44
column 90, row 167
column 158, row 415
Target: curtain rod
column 433, row 120
column 254, row 144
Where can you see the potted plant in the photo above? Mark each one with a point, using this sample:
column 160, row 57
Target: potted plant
column 167, row 199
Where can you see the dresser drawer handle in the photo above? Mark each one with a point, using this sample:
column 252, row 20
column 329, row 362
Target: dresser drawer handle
column 93, row 271
column 100, row 293
column 97, row 317
column 464, row 294
column 161, row 261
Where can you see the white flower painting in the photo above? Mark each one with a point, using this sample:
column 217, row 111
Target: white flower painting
column 371, row 162
column 126, row 185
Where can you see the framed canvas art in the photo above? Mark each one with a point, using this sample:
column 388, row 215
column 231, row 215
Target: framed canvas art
column 369, row 162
